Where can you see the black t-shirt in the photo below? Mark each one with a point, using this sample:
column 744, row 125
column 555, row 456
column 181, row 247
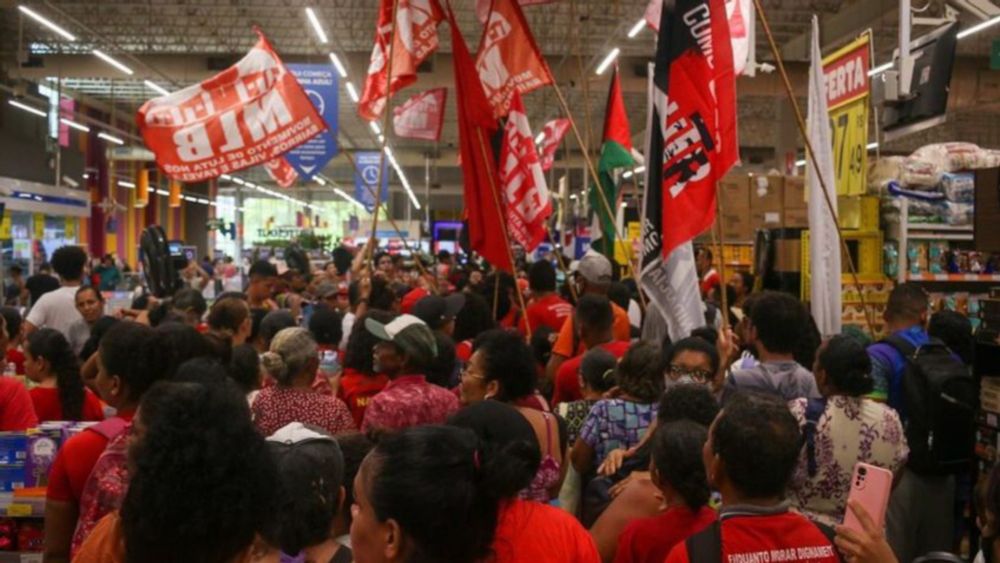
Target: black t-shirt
column 40, row 284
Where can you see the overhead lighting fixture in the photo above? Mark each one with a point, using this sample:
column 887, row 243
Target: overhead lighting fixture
column 155, row 87
column 627, row 174
column 374, row 127
column 319, row 180
column 26, row 108
column 639, row 170
column 978, row 27
column 110, row 138
column 879, row 69
column 113, row 62
column 344, row 195
column 539, row 137
column 164, row 193
column 201, row 200
column 125, row 184
column 226, row 177
column 46, row 22
column 871, row 146
column 74, row 125
column 316, row 25
column 352, row 92
column 637, row 28
column 608, row 60
column 238, row 181
column 338, row 65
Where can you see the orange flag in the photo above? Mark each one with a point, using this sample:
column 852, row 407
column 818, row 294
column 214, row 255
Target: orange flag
column 508, row 58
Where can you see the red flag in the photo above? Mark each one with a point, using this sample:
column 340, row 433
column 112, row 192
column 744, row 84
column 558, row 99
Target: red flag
column 483, row 7
column 422, row 116
column 526, row 197
column 248, row 114
column 616, row 126
column 737, row 11
column 281, row 172
column 695, row 110
column 553, row 132
column 508, row 58
column 418, row 21
column 476, row 124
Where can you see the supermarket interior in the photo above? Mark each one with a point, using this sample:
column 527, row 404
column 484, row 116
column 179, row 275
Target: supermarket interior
column 537, row 272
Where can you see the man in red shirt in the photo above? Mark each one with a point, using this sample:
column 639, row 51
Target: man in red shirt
column 752, row 449
column 594, row 322
column 547, row 308
column 408, row 347
column 707, row 275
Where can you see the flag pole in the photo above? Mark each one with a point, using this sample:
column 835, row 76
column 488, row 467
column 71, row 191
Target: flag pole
column 385, row 136
column 593, row 174
column 506, row 239
column 562, row 263
column 717, row 242
column 869, row 317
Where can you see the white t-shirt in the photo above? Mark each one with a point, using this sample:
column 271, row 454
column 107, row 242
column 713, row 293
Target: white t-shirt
column 79, row 333
column 347, row 324
column 56, row 309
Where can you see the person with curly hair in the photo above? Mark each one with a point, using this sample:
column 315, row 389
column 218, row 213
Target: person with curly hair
column 49, row 361
column 202, row 482
column 359, row 381
column 679, row 475
column 292, row 362
column 620, row 422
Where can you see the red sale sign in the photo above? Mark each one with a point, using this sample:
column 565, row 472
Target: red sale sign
column 846, row 74
column 249, row 114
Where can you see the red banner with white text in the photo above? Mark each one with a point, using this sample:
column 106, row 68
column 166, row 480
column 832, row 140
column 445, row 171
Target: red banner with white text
column 522, row 181
column 281, row 172
column 422, row 116
column 553, row 134
column 508, row 58
column 249, row 114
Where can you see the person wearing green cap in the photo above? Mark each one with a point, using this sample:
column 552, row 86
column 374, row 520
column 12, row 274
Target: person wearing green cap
column 406, row 350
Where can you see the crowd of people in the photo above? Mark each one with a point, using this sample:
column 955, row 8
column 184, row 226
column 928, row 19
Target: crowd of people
column 378, row 409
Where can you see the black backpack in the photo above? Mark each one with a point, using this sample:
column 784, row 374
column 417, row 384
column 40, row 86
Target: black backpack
column 940, row 397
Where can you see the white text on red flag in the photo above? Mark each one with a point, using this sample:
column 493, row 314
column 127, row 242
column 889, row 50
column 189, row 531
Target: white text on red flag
column 422, row 116
column 522, row 181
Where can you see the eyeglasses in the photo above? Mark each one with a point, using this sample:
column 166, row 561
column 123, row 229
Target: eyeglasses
column 698, row 375
column 467, row 372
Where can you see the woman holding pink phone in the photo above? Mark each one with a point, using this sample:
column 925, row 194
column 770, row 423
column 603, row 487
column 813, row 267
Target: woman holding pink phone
column 842, row 429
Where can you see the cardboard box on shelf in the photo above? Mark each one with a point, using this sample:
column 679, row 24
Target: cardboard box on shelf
column 734, row 191
column 796, row 218
column 795, row 192
column 767, row 195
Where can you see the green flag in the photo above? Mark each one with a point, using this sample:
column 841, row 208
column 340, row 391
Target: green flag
column 616, row 152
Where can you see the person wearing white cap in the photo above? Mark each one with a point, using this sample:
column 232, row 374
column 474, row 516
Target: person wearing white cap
column 407, row 349
column 592, row 276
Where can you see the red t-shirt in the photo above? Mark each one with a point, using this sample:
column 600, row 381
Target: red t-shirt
column 760, row 535
column 567, row 384
column 532, row 531
column 16, row 410
column 550, row 311
column 651, row 539
column 356, row 389
column 16, row 357
column 49, row 407
column 75, row 461
column 709, row 282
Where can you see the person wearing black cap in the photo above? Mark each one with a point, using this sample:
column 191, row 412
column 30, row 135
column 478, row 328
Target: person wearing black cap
column 439, row 312
column 406, row 350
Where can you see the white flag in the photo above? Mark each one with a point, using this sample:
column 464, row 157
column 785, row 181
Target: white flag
column 672, row 283
column 824, row 245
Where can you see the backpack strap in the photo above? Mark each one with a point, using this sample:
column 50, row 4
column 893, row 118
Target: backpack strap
column 830, row 535
column 706, row 545
column 109, row 428
column 814, row 410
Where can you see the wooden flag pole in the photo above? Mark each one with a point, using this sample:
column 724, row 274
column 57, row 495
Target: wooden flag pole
column 717, row 242
column 562, row 264
column 385, row 136
column 506, row 238
column 869, row 315
column 593, row 174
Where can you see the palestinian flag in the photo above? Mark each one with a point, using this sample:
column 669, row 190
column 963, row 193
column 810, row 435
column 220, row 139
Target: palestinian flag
column 616, row 152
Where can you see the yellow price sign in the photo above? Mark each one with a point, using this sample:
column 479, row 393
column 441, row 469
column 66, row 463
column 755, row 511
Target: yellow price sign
column 847, row 98
column 18, row 510
column 38, row 222
column 5, row 227
column 71, row 228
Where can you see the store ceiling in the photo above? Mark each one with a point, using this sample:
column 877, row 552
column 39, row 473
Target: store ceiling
column 180, row 41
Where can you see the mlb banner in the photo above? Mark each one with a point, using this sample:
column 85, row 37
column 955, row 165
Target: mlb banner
column 366, row 178
column 422, row 116
column 553, row 132
column 322, row 87
column 281, row 172
column 250, row 113
column 522, row 181
column 508, row 58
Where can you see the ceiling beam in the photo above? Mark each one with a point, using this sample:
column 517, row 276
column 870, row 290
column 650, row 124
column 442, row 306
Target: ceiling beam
column 837, row 29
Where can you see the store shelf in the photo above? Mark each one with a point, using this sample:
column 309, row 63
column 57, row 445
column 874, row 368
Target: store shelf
column 952, row 278
column 20, row 557
column 939, row 227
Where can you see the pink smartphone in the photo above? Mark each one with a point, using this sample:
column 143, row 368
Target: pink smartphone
column 870, row 487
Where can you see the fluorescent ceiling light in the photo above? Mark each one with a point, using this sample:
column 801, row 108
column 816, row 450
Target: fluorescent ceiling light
column 879, row 69
column 801, row 162
column 978, row 27
column 872, row 146
column 608, row 60
column 319, row 180
column 352, row 92
column 26, row 108
column 111, row 61
column 46, row 22
column 75, row 125
column 374, row 127
column 155, row 87
column 164, row 193
column 316, row 25
column 637, row 28
column 202, row 201
column 624, row 204
column 226, row 177
column 338, row 65
column 344, row 195
column 539, row 137
column 627, row 174
column 110, row 138
column 238, row 181
column 125, row 184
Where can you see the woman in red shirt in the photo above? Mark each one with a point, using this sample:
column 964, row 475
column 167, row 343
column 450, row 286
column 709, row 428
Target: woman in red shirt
column 359, row 382
column 50, row 362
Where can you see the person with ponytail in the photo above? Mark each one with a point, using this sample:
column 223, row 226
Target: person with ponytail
column 842, row 428
column 292, row 362
column 50, row 362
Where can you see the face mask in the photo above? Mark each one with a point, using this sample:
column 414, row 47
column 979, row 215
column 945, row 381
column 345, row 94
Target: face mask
column 669, row 383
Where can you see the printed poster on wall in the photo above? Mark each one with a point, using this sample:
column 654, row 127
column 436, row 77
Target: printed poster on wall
column 321, row 87
column 847, row 97
column 366, row 178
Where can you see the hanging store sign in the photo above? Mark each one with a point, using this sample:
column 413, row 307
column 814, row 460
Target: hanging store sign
column 320, row 84
column 366, row 177
column 848, row 98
